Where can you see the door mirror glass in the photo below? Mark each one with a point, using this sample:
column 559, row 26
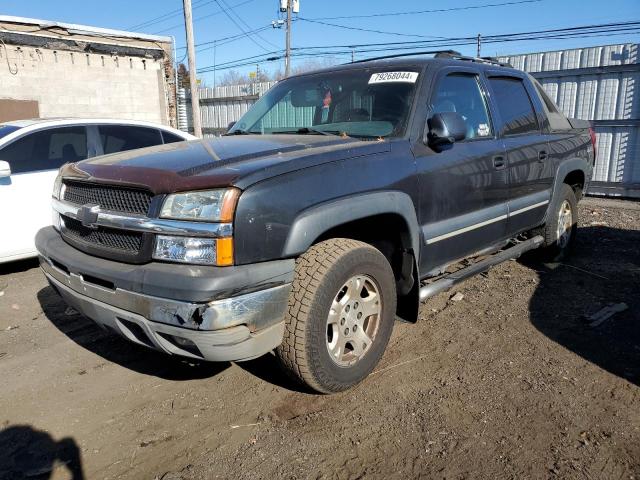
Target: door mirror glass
column 5, row 169
column 444, row 129
column 230, row 126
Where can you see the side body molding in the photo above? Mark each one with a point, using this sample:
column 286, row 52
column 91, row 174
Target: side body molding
column 313, row 222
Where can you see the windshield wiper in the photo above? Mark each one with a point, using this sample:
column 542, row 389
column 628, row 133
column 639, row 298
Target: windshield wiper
column 240, row 132
column 313, row 131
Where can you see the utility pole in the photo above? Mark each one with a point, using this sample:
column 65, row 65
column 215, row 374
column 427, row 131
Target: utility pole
column 479, row 45
column 214, row 67
column 353, row 55
column 193, row 82
column 287, row 67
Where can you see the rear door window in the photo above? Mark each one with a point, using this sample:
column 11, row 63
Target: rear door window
column 46, row 150
column 514, row 105
column 117, row 138
column 171, row 137
column 461, row 93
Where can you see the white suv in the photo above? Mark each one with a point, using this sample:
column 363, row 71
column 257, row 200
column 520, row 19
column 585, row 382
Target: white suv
column 32, row 151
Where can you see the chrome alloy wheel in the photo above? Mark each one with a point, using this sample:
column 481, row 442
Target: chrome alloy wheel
column 353, row 320
column 565, row 222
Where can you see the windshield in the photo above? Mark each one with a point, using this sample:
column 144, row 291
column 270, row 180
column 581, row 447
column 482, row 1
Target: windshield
column 358, row 103
column 7, row 129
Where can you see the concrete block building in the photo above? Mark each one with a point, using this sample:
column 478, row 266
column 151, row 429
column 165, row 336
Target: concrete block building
column 51, row 69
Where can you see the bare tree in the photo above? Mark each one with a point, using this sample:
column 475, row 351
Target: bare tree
column 183, row 76
column 234, row 77
column 306, row 66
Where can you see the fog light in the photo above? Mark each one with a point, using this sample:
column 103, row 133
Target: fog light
column 183, row 342
column 185, row 249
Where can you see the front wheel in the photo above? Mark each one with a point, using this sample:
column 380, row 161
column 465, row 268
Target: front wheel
column 340, row 316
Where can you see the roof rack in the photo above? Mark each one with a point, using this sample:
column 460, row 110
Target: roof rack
column 442, row 54
column 426, row 52
column 457, row 56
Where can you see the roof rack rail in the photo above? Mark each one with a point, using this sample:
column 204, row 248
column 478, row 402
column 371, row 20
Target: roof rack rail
column 458, row 56
column 426, row 52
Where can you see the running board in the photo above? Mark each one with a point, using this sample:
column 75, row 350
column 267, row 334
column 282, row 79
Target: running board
column 449, row 280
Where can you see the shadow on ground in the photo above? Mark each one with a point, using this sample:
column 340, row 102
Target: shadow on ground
column 603, row 269
column 30, row 453
column 268, row 369
column 116, row 349
column 18, row 266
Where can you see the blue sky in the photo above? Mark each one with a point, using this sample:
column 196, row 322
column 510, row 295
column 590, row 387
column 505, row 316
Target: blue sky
column 211, row 23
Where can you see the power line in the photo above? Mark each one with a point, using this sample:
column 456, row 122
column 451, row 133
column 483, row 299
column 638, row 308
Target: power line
column 197, row 19
column 167, row 16
column 435, row 10
column 247, row 25
column 233, row 20
column 360, row 29
column 601, row 27
column 229, row 39
column 584, row 31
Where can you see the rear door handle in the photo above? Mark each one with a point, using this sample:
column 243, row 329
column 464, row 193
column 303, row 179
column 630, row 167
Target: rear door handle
column 498, row 162
column 542, row 156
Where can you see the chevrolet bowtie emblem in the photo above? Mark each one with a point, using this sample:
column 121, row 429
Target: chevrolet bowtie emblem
column 88, row 215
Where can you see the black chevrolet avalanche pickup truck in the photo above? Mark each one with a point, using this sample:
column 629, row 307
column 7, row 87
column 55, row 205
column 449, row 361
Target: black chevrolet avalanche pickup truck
column 339, row 201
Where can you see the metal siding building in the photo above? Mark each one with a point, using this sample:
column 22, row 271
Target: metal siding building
column 599, row 84
column 220, row 106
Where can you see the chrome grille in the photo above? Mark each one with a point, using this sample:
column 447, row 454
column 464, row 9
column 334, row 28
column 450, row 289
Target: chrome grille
column 108, row 197
column 122, row 241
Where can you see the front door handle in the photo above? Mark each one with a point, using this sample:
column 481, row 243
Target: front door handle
column 542, row 156
column 498, row 162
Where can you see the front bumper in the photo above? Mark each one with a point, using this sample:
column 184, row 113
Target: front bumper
column 241, row 326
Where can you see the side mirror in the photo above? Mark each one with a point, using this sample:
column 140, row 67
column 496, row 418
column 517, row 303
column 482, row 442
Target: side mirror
column 5, row 169
column 444, row 129
column 230, row 126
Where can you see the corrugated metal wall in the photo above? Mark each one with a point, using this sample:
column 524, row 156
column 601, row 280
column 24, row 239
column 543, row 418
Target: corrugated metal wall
column 220, row 106
column 599, row 84
column 184, row 117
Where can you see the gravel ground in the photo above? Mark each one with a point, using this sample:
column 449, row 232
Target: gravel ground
column 511, row 381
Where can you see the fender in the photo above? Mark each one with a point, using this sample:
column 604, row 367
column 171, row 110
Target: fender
column 563, row 170
column 313, row 222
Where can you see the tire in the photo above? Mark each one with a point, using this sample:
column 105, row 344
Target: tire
column 335, row 332
column 557, row 246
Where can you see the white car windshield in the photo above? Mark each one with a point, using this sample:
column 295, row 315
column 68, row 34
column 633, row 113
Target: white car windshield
column 359, row 103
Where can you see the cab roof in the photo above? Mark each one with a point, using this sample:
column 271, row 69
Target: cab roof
column 418, row 60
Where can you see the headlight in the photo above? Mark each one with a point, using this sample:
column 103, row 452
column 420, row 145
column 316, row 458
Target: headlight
column 207, row 205
column 58, row 188
column 208, row 251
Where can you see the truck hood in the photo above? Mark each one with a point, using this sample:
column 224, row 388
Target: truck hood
column 220, row 162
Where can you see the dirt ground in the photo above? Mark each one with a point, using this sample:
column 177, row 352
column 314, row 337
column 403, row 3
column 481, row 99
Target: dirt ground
column 513, row 381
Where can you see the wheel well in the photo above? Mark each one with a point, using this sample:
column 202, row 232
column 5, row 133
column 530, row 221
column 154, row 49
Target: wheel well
column 389, row 233
column 575, row 180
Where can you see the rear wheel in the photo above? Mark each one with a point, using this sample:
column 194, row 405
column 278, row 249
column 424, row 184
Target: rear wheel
column 560, row 230
column 341, row 313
